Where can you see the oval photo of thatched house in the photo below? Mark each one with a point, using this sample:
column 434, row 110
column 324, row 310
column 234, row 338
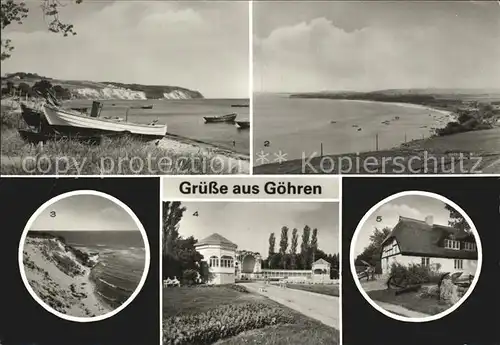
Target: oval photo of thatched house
column 84, row 256
column 416, row 256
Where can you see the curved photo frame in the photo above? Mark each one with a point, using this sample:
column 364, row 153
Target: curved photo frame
column 142, row 280
column 352, row 257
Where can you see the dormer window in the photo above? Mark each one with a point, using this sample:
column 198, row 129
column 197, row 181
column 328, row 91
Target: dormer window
column 470, row 246
column 451, row 244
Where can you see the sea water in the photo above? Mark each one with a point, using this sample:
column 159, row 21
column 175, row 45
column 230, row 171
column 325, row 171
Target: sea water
column 121, row 261
column 298, row 127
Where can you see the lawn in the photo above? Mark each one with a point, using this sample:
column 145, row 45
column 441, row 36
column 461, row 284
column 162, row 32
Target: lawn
column 222, row 315
column 410, row 300
column 330, row 290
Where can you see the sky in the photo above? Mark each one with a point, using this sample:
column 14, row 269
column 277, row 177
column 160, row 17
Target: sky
column 84, row 212
column 374, row 45
column 412, row 206
column 202, row 46
column 249, row 224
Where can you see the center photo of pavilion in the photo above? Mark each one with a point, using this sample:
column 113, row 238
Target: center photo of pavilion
column 250, row 272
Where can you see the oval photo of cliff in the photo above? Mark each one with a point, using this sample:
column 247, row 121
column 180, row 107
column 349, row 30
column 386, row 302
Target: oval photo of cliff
column 84, row 256
column 416, row 256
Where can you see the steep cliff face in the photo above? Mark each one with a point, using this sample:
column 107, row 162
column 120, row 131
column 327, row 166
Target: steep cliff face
column 80, row 89
column 59, row 275
column 112, row 92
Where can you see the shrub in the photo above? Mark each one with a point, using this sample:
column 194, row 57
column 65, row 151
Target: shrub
column 413, row 274
column 238, row 288
column 9, row 119
column 189, row 277
column 221, row 322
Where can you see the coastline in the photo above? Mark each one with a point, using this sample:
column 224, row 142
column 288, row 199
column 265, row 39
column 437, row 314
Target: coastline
column 71, row 294
column 451, row 150
column 179, row 149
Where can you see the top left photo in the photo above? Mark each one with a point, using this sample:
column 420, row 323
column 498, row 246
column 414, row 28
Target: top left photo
column 125, row 88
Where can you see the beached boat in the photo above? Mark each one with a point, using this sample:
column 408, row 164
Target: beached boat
column 31, row 116
column 243, row 124
column 149, row 106
column 68, row 121
column 221, row 118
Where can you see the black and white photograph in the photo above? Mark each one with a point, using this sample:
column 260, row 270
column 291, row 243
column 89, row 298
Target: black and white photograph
column 379, row 87
column 387, row 221
column 83, row 256
column 415, row 256
column 80, row 261
column 84, row 82
column 251, row 272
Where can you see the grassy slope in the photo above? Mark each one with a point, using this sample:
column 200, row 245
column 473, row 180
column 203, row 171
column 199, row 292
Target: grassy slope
column 304, row 331
column 446, row 149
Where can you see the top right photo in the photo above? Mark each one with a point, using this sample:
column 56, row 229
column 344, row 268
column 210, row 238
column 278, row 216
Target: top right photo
column 376, row 87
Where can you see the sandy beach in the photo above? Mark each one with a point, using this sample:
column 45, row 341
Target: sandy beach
column 448, row 114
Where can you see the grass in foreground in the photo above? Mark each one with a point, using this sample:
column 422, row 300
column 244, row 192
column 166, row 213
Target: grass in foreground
column 451, row 154
column 222, row 315
column 111, row 157
column 410, row 300
column 330, row 290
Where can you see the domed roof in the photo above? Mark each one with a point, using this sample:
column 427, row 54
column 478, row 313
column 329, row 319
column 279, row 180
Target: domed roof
column 215, row 239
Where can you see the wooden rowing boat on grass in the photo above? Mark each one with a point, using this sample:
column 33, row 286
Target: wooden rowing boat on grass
column 67, row 121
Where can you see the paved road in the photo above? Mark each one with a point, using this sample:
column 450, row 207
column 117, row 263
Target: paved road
column 320, row 307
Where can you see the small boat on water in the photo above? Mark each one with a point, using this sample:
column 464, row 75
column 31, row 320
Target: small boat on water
column 149, row 106
column 243, row 124
column 221, row 118
column 68, row 121
column 240, row 105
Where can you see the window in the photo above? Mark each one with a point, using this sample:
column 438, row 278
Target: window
column 470, row 246
column 459, row 264
column 214, row 261
column 425, row 261
column 226, row 261
column 451, row 244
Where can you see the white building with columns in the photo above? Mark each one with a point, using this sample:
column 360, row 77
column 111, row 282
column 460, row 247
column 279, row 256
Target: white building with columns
column 220, row 254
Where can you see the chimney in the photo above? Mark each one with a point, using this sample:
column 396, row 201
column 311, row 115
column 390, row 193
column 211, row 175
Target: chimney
column 429, row 220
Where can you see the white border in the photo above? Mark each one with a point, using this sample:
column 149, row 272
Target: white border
column 250, row 83
column 77, row 318
column 416, row 319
